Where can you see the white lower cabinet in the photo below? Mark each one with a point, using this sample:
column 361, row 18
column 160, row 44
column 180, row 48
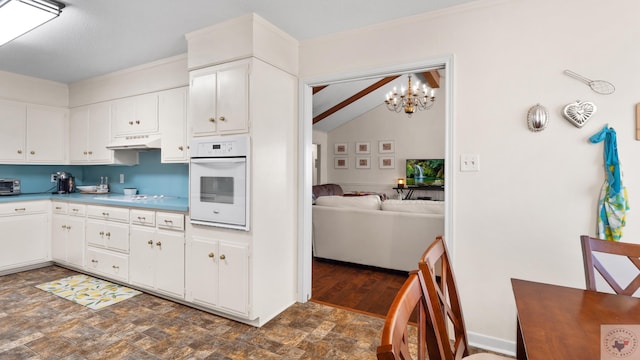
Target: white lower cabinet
column 217, row 274
column 108, row 263
column 157, row 256
column 107, row 238
column 108, row 228
column 25, row 233
column 104, row 234
column 67, row 233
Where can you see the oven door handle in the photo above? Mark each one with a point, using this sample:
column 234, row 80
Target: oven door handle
column 219, row 161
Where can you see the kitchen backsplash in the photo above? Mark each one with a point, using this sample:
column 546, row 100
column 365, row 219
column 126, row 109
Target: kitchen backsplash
column 149, row 177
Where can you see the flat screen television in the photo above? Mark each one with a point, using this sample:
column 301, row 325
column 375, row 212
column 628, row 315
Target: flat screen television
column 423, row 172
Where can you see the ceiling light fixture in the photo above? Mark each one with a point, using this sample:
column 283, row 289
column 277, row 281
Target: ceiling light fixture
column 410, row 99
column 18, row 17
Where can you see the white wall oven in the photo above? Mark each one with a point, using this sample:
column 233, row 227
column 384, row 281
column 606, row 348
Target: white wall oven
column 219, row 182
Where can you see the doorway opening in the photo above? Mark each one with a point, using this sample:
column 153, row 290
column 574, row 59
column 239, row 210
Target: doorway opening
column 308, row 162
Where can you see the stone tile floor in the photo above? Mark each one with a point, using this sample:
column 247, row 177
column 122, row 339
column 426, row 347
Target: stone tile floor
column 35, row 324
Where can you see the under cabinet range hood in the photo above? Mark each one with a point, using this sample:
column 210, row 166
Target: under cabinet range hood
column 135, row 142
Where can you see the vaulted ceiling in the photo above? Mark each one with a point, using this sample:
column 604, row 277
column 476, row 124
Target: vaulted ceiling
column 338, row 103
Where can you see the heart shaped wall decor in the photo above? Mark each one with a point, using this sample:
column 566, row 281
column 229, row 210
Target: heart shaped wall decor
column 579, row 113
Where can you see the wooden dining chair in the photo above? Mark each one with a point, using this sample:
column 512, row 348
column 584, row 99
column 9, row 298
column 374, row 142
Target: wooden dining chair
column 398, row 340
column 448, row 339
column 591, row 246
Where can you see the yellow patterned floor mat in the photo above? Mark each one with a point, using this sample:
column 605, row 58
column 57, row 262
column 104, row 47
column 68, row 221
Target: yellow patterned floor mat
column 88, row 291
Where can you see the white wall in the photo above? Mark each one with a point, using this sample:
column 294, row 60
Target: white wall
column 33, row 90
column 521, row 215
column 421, row 136
column 158, row 75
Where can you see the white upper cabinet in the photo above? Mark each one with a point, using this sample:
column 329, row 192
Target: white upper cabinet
column 219, row 99
column 13, row 116
column 135, row 115
column 90, row 133
column 46, row 134
column 172, row 114
column 32, row 133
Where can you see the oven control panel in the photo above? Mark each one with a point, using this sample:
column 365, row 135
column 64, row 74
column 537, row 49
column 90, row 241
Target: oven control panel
column 220, row 146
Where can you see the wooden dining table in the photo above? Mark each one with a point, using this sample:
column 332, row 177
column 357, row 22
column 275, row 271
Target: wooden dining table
column 557, row 322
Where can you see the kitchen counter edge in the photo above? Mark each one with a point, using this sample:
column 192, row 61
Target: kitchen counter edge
column 171, row 204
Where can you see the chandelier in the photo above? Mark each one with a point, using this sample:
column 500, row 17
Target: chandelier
column 410, row 99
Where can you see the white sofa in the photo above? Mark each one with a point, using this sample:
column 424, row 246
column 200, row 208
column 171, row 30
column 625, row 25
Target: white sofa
column 364, row 230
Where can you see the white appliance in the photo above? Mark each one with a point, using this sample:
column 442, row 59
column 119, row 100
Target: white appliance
column 219, row 182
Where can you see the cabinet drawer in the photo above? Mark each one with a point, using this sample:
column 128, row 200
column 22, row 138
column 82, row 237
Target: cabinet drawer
column 59, row 207
column 143, row 217
column 110, row 264
column 24, row 207
column 170, row 221
column 108, row 213
column 77, row 209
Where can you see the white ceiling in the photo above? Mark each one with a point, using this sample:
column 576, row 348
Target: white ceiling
column 95, row 37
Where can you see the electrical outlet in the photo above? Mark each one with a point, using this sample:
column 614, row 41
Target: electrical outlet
column 54, row 178
column 469, row 162
column 121, row 178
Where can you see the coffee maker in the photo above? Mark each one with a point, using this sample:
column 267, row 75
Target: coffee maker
column 66, row 183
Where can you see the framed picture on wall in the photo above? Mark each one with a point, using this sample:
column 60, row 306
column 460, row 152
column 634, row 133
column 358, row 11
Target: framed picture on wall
column 340, row 149
column 386, row 162
column 362, row 162
column 386, row 147
column 362, row 148
column 341, row 163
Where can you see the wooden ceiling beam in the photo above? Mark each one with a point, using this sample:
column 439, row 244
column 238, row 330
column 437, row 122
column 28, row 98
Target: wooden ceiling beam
column 362, row 93
column 432, row 78
column 318, row 88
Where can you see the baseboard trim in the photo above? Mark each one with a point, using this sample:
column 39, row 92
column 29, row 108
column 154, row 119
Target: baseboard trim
column 25, row 268
column 492, row 343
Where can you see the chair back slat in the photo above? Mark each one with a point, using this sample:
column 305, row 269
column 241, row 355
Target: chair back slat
column 443, row 304
column 591, row 246
column 398, row 333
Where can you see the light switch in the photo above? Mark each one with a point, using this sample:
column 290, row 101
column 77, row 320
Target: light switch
column 469, row 162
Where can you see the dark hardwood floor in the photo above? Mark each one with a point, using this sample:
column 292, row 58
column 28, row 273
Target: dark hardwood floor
column 354, row 287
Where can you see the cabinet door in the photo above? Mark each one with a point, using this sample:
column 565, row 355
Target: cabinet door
column 78, row 129
column 95, row 231
column 172, row 115
column 142, row 256
column 46, row 134
column 202, row 271
column 117, row 236
column 202, row 103
column 24, row 240
column 59, row 237
column 233, row 99
column 135, row 115
column 75, row 240
column 233, row 290
column 13, row 117
column 99, row 133
column 170, row 262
